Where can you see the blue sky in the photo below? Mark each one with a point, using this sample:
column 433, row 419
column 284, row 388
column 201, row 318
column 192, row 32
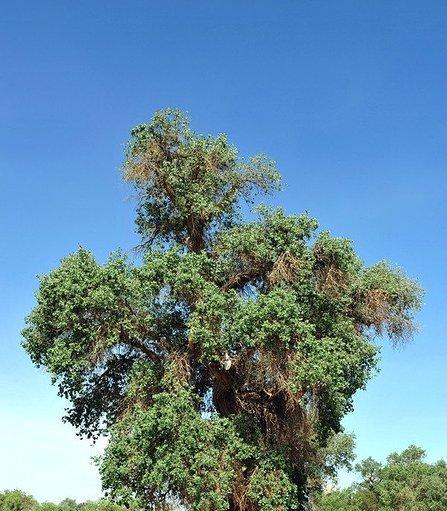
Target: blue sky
column 348, row 97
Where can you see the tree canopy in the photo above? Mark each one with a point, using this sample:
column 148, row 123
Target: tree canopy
column 405, row 482
column 221, row 365
column 17, row 500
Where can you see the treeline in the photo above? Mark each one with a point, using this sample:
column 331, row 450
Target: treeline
column 406, row 482
column 17, row 500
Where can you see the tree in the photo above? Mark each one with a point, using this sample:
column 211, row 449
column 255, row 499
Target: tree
column 69, row 505
column 49, row 506
column 405, row 482
column 221, row 366
column 16, row 500
column 338, row 500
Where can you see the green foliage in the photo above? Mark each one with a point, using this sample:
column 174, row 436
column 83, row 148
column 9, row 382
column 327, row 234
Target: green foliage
column 17, row 500
column 406, row 481
column 170, row 445
column 188, row 181
column 221, row 367
column 270, row 487
column 339, row 500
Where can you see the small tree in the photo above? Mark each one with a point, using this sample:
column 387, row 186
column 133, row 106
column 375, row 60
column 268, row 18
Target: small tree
column 220, row 368
column 17, row 500
column 405, row 482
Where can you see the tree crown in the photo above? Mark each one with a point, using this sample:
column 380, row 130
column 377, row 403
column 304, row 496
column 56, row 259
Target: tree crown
column 405, row 481
column 221, row 366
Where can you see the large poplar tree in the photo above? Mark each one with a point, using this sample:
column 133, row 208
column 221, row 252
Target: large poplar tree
column 220, row 366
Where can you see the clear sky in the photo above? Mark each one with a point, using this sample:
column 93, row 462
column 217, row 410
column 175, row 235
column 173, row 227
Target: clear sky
column 348, row 97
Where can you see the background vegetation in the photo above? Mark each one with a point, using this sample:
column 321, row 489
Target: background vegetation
column 17, row 500
column 406, row 482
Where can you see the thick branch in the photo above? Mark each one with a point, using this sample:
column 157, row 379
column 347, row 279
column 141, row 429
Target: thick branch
column 239, row 280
